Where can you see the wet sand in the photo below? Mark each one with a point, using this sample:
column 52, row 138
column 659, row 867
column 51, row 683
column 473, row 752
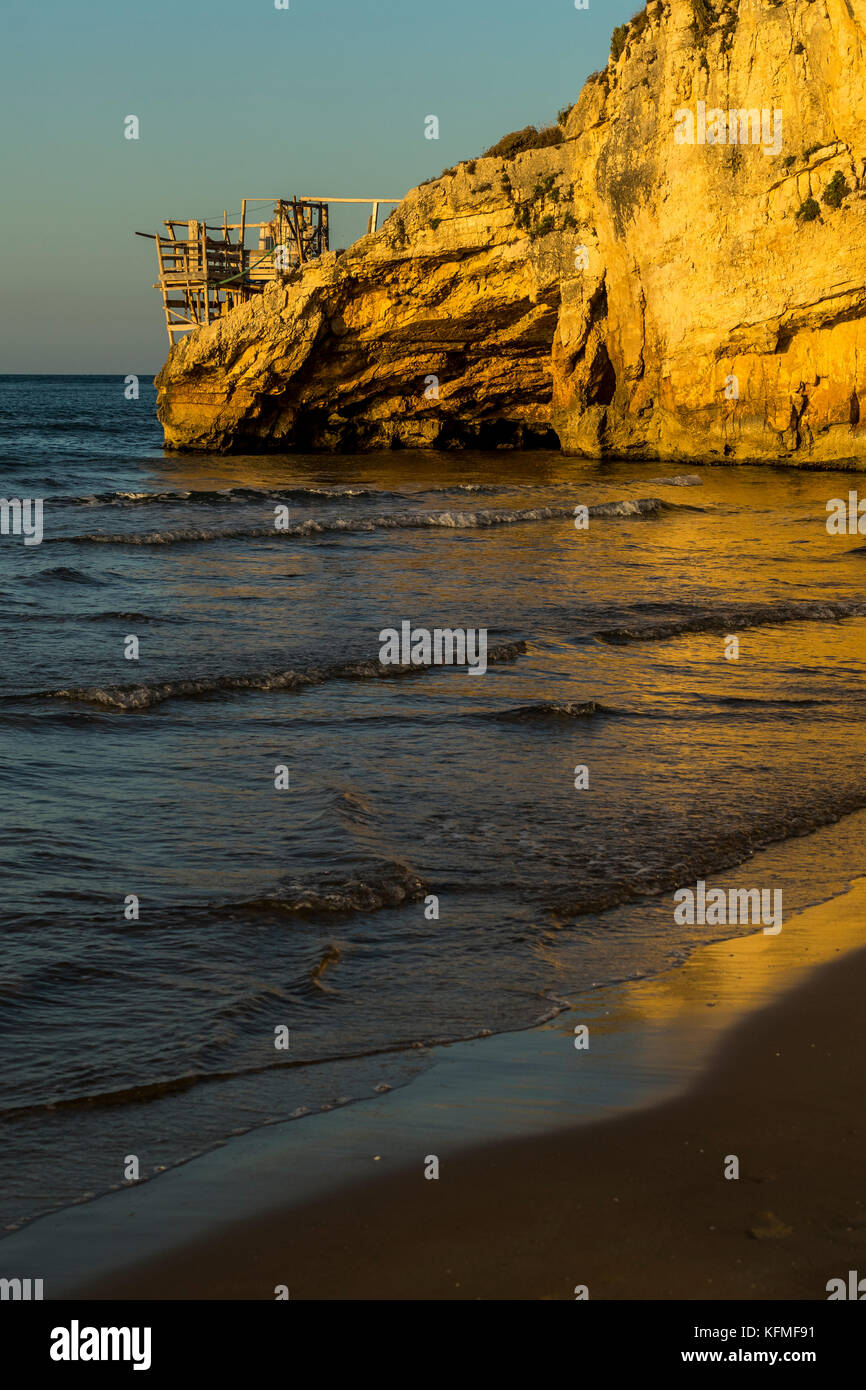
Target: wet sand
column 636, row 1206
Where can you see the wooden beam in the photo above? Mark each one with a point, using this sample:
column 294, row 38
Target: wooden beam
column 352, row 200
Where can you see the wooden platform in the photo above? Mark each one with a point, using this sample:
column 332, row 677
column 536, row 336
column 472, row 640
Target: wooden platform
column 203, row 272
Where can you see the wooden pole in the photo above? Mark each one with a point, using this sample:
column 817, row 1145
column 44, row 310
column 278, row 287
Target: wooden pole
column 295, row 216
column 164, row 290
column 204, row 271
column 243, row 228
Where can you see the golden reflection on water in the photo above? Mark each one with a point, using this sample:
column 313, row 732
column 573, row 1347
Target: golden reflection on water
column 732, row 977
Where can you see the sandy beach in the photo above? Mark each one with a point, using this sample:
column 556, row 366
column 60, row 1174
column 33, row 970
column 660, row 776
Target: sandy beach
column 635, row 1207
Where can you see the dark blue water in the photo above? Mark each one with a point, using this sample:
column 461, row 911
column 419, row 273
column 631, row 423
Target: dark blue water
column 305, row 907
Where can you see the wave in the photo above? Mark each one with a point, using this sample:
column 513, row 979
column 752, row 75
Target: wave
column 64, row 574
column 117, row 616
column 385, row 885
column 61, row 717
column 723, row 851
column 733, row 620
column 84, row 424
column 554, row 710
column 142, row 1091
column 756, row 706
column 145, row 696
column 332, row 955
column 759, row 702
column 398, row 521
column 110, row 615
column 680, row 480
column 217, row 496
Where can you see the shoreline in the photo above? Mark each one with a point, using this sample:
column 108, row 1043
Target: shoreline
column 633, row 1207
column 511, row 1114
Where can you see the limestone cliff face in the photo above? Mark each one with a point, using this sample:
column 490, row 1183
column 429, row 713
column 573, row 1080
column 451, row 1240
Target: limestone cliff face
column 629, row 291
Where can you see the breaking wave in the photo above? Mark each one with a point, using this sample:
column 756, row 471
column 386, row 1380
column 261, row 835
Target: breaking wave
column 145, row 696
column 732, row 620
column 714, row 855
column 218, row 496
column 399, row 521
column 384, row 885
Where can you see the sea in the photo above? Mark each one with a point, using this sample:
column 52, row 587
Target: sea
column 249, row 873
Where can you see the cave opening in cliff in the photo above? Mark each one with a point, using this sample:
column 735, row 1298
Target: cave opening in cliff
column 545, row 437
column 499, row 434
column 602, row 378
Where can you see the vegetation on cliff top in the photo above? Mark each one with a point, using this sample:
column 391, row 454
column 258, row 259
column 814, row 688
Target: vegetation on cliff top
column 623, row 32
column 529, row 138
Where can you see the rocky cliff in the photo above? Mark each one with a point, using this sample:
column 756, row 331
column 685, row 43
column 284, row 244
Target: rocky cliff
column 683, row 275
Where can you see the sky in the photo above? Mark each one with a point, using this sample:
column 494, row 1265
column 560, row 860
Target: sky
column 326, row 97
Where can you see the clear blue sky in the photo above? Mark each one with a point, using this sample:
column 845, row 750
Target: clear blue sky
column 237, row 99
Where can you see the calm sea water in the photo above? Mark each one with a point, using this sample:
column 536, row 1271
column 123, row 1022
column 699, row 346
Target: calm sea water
column 305, row 908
